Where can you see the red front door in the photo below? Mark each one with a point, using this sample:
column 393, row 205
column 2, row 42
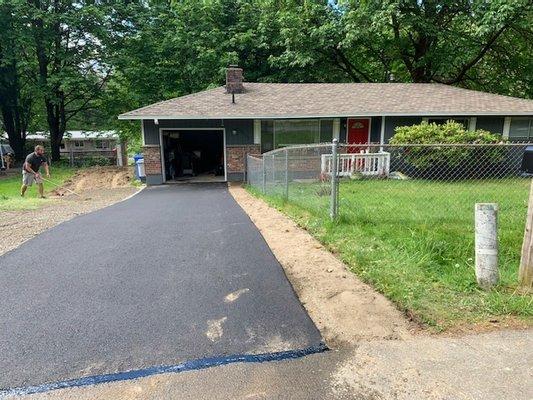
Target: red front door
column 358, row 129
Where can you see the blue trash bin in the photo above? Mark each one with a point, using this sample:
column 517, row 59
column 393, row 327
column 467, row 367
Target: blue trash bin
column 139, row 167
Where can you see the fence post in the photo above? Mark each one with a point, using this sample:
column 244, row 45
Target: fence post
column 2, row 167
column 246, row 174
column 264, row 175
column 334, row 186
column 525, row 273
column 486, row 221
column 286, row 173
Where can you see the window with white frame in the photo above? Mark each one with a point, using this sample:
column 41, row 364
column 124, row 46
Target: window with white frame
column 521, row 129
column 79, row 143
column 289, row 132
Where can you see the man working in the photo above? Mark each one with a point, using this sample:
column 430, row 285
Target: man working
column 30, row 171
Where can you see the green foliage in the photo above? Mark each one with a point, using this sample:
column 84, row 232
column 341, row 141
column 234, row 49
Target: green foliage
column 448, row 133
column 85, row 62
column 452, row 42
column 92, row 161
column 449, row 161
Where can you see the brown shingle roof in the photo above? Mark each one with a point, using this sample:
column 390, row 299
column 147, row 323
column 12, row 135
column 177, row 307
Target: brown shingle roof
column 290, row 100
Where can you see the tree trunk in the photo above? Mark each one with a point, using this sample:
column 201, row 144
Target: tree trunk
column 56, row 135
column 16, row 138
column 55, row 147
column 10, row 103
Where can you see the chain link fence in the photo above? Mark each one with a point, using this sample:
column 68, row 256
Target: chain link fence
column 294, row 173
column 423, row 182
column 407, row 210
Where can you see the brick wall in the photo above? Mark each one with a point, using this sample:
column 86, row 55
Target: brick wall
column 234, row 80
column 152, row 160
column 236, row 156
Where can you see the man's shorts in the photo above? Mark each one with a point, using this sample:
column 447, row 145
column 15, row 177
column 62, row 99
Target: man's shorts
column 28, row 178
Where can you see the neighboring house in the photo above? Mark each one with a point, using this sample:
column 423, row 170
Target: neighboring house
column 79, row 141
column 80, row 144
column 216, row 128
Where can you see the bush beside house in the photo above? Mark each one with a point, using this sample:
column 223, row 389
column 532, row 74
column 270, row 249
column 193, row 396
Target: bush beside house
column 449, row 160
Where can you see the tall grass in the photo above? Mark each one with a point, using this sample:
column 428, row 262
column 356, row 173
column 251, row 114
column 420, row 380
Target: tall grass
column 414, row 242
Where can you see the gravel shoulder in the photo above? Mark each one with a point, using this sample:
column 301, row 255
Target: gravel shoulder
column 344, row 309
column 20, row 226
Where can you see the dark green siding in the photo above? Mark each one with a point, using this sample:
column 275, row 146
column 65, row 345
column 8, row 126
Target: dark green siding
column 391, row 123
column 238, row 131
column 375, row 130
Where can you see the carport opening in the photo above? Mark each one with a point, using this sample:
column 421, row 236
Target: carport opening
column 194, row 155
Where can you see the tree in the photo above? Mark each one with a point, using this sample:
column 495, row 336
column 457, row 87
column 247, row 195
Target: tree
column 439, row 41
column 15, row 89
column 69, row 38
column 91, row 60
column 471, row 43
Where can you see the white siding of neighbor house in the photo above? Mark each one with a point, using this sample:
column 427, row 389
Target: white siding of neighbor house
column 88, row 145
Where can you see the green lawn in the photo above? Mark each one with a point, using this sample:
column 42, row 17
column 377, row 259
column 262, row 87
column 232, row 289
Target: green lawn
column 10, row 199
column 413, row 241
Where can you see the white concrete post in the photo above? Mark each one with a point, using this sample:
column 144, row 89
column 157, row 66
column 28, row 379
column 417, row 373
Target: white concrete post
column 486, row 223
column 118, row 147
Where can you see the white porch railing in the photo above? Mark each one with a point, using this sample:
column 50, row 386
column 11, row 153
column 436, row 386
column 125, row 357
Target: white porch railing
column 364, row 163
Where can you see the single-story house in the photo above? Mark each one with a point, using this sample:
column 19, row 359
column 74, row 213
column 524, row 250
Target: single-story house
column 215, row 129
column 82, row 144
column 79, row 141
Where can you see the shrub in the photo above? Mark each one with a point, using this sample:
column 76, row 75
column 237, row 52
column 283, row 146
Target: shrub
column 96, row 161
column 448, row 161
column 92, row 161
column 449, row 133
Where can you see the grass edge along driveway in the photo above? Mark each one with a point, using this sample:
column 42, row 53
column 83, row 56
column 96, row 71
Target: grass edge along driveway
column 421, row 259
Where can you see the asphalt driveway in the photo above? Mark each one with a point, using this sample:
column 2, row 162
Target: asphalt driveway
column 173, row 274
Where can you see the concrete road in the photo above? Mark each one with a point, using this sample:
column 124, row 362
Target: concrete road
column 175, row 273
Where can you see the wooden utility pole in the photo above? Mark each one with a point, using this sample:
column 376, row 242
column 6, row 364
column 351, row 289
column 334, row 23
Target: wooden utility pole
column 525, row 273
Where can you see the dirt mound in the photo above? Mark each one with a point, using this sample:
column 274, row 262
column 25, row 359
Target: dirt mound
column 97, row 178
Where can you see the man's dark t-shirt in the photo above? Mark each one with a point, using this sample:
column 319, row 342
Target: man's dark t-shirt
column 35, row 161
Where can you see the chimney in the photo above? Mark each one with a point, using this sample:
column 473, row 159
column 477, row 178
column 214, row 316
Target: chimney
column 234, row 80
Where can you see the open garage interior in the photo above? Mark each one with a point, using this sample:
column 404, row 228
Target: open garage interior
column 194, row 155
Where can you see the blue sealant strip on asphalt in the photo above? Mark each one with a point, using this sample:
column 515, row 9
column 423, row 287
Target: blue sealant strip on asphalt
column 186, row 366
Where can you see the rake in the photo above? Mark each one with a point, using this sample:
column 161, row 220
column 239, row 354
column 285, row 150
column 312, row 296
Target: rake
column 59, row 186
